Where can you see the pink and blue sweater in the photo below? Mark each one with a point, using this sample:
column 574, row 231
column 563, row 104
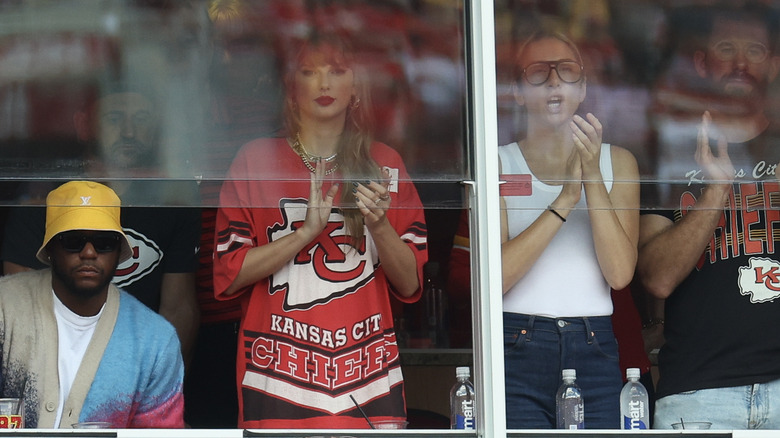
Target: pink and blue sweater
column 131, row 374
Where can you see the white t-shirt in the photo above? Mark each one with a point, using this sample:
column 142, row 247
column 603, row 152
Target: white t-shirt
column 566, row 280
column 74, row 333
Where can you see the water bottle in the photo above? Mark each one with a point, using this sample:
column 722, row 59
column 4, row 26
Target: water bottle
column 463, row 401
column 568, row 402
column 633, row 403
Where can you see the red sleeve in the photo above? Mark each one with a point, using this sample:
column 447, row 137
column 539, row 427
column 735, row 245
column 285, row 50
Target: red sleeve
column 406, row 213
column 234, row 229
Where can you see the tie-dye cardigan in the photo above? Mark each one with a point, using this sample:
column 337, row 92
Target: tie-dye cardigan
column 131, row 374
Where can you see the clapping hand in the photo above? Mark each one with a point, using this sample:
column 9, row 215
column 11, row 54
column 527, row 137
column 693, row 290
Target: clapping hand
column 373, row 199
column 319, row 206
column 587, row 140
column 718, row 169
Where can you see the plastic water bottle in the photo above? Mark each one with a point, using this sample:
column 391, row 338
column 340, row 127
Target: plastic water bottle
column 568, row 402
column 463, row 401
column 633, row 403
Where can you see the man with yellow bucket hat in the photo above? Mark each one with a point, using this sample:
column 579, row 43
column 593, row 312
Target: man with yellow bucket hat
column 72, row 345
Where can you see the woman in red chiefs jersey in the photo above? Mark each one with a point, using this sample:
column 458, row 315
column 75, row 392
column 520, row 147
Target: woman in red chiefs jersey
column 315, row 231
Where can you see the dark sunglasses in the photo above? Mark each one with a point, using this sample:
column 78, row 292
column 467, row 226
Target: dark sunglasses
column 539, row 72
column 75, row 241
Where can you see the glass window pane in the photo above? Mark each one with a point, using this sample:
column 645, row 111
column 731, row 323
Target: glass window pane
column 158, row 98
column 213, row 74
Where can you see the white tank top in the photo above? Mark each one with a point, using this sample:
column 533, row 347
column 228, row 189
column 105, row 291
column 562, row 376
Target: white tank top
column 566, row 280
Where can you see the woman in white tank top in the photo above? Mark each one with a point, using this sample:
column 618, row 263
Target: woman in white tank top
column 565, row 244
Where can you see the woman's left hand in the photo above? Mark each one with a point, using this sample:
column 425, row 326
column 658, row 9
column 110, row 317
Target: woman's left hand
column 373, row 200
column 398, row 261
column 587, row 138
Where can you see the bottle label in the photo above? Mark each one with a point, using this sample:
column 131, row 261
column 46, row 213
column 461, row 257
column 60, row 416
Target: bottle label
column 636, row 412
column 462, row 422
column 466, row 419
column 633, row 424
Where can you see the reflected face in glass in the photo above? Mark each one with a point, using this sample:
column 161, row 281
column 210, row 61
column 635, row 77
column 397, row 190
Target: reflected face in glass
column 738, row 59
column 323, row 86
column 84, row 273
column 127, row 130
column 553, row 85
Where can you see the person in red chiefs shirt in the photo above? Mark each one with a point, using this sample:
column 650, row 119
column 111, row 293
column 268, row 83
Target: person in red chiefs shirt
column 314, row 233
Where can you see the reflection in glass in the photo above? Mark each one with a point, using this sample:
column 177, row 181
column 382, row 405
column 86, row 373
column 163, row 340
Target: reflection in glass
column 155, row 98
column 212, row 70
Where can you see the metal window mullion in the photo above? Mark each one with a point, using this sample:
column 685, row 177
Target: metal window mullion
column 485, row 226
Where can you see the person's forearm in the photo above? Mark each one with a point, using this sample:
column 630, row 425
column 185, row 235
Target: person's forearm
column 615, row 232
column 519, row 254
column 185, row 318
column 179, row 305
column 398, row 260
column 668, row 257
column 264, row 260
column 261, row 261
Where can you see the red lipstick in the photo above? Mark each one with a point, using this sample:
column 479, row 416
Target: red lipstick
column 324, row 100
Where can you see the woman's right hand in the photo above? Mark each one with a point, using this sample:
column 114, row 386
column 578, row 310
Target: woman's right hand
column 266, row 259
column 318, row 208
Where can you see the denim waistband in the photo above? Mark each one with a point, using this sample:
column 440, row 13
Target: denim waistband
column 585, row 324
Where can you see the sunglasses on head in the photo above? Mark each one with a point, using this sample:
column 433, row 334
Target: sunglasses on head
column 75, row 241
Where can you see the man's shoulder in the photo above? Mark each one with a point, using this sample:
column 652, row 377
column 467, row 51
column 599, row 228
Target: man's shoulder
column 25, row 294
column 33, row 280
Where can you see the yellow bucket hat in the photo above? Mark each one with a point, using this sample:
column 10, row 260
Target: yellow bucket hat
column 82, row 205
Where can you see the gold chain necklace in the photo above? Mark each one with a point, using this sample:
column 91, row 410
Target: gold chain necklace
column 307, row 158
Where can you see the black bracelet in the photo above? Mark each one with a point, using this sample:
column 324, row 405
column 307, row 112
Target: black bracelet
column 653, row 322
column 552, row 210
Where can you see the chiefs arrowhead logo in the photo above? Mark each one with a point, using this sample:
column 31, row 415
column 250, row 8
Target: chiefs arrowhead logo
column 146, row 257
column 329, row 257
column 760, row 280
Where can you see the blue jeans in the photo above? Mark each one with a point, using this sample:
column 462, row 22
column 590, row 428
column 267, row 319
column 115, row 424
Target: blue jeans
column 536, row 349
column 740, row 407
